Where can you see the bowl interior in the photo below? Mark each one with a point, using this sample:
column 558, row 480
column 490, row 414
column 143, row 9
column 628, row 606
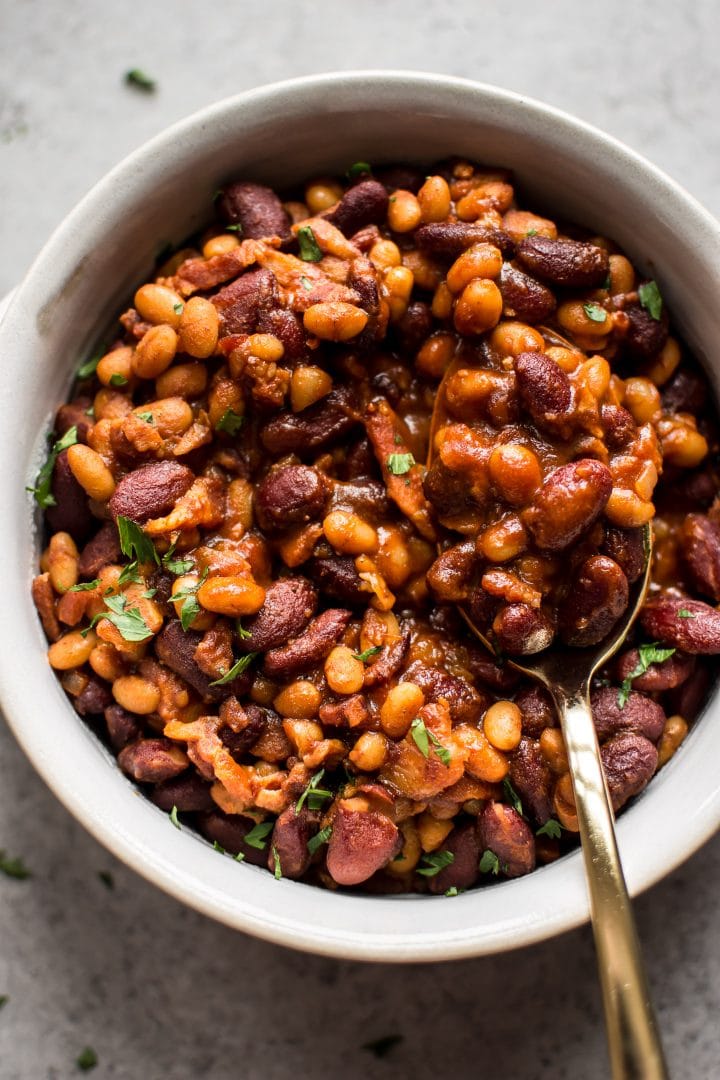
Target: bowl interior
column 82, row 280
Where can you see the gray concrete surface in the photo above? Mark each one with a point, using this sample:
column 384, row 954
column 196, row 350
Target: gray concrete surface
column 159, row 992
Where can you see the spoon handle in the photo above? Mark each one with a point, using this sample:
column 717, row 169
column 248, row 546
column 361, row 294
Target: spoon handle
column 635, row 1049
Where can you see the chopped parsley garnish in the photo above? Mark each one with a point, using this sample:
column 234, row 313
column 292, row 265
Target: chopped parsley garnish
column 489, row 862
column 85, row 586
column 531, row 232
column 319, row 839
column 218, row 847
column 129, row 573
column 651, row 299
column 230, row 422
column 3, row 1000
column 129, row 621
column 191, row 605
column 146, row 416
column 41, row 491
column 137, row 78
column 277, row 872
column 595, row 313
column 360, row 168
column 434, row 862
column 512, row 796
column 607, row 283
column 551, row 828
column 306, row 283
column 236, row 228
column 116, row 379
column 242, row 633
column 422, row 737
column 315, row 795
column 382, row 1046
column 134, row 544
column 14, row 868
column 453, row 891
column 399, row 464
column 647, row 655
column 176, row 566
column 238, row 668
column 89, row 367
column 258, row 835
column 178, row 308
column 173, row 817
column 87, row 1059
column 239, row 857
column 368, row 654
column 309, row 248
column 683, row 613
column 107, row 879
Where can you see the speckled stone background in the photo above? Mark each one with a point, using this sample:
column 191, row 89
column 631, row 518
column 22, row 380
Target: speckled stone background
column 159, row 992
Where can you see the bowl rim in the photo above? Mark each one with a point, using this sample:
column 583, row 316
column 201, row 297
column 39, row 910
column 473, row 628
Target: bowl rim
column 266, row 918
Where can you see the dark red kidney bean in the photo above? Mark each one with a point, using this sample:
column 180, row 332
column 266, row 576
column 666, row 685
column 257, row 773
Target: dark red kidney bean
column 365, row 238
column 290, row 495
column 414, row 326
column 240, row 742
column 690, row 625
column 481, row 607
column 352, row 712
column 564, row 262
column 388, row 662
column 448, row 239
column 151, row 491
column 571, row 500
column 94, row 698
column 404, row 177
column 102, row 550
column 288, row 328
column 176, row 647
column 365, row 497
column 544, row 390
column 462, row 873
column 149, row 761
column 700, row 552
column 687, row 699
column 687, row 391
column 71, row 512
column 289, row 605
column 490, row 673
column 337, row 577
column 256, row 208
column 663, row 676
column 188, row 793
column 364, row 204
column 315, row 428
column 639, row 713
column 123, row 727
column 229, row 833
column 522, row 630
column 701, row 485
column 243, row 302
column 596, row 599
column 538, row 711
column 645, row 336
column 360, row 461
column 450, row 576
column 618, row 425
column 74, row 414
column 466, row 704
column 448, row 491
column 289, row 843
column 532, row 779
column 502, row 831
column 362, row 842
column 627, row 548
column 629, row 761
column 524, row 298
column 310, row 648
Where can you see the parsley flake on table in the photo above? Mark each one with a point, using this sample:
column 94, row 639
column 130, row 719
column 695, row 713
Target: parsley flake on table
column 134, row 544
column 551, row 828
column 43, row 482
column 3, row 1000
column 87, row 1059
column 319, row 839
column 238, row 668
column 368, row 654
column 489, row 862
column 107, row 879
column 399, row 464
column 14, row 868
column 309, row 247
column 651, row 299
column 382, row 1046
column 230, row 422
column 257, row 837
column 314, row 794
column 595, row 313
column 512, row 796
column 435, row 861
column 137, row 78
column 647, row 655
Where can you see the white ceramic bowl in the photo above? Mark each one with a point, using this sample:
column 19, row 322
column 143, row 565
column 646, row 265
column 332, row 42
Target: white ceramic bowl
column 162, row 192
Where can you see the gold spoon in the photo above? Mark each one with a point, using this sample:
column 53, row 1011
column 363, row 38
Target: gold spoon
column 634, row 1043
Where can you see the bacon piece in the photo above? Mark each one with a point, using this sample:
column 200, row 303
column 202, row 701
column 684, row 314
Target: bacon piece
column 196, row 275
column 387, row 434
column 202, row 505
